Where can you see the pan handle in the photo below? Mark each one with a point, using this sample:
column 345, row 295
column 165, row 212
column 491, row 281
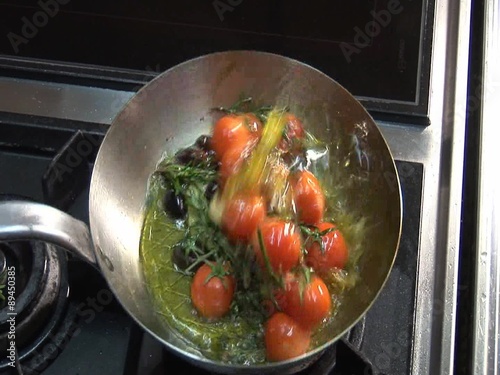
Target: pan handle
column 22, row 220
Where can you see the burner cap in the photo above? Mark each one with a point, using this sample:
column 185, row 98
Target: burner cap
column 41, row 291
column 45, row 319
column 30, row 266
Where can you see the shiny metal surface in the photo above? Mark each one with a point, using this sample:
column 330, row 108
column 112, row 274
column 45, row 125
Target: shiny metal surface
column 486, row 340
column 90, row 104
column 440, row 148
column 448, row 225
column 21, row 220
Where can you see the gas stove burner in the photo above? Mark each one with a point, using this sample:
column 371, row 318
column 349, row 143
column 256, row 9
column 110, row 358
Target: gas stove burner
column 32, row 325
column 41, row 290
column 29, row 266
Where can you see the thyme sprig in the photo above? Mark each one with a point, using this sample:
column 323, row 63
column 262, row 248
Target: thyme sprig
column 182, row 175
column 313, row 234
column 306, row 272
column 267, row 262
column 247, row 105
column 237, row 107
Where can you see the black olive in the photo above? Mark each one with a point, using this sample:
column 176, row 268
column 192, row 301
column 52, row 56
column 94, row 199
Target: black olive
column 211, row 153
column 210, row 190
column 203, row 142
column 188, row 155
column 181, row 259
column 195, row 156
column 174, row 204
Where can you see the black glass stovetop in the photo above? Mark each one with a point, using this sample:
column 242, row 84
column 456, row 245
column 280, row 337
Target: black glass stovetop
column 375, row 48
column 95, row 336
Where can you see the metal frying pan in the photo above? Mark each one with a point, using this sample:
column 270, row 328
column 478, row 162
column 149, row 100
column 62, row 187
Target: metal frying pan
column 169, row 113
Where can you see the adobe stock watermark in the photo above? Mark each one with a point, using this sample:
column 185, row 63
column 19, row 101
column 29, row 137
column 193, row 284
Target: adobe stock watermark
column 390, row 351
column 223, row 6
column 87, row 312
column 404, row 170
column 438, row 304
column 120, row 107
column 363, row 37
column 472, row 103
column 74, row 156
column 30, row 27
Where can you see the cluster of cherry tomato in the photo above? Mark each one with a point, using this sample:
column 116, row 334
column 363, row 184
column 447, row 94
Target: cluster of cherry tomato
column 303, row 301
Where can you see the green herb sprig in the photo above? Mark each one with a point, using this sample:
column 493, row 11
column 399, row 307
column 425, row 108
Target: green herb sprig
column 247, row 105
column 313, row 234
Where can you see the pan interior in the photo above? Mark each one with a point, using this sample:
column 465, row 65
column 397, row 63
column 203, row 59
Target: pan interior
column 174, row 109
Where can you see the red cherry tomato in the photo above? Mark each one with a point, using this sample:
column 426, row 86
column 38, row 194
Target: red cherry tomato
column 242, row 215
column 253, row 123
column 294, row 129
column 308, row 197
column 211, row 295
column 228, row 131
column 334, row 253
column 310, row 308
column 278, row 299
column 233, row 158
column 284, row 338
column 281, row 243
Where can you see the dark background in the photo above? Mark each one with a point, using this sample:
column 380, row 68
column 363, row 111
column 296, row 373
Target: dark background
column 154, row 35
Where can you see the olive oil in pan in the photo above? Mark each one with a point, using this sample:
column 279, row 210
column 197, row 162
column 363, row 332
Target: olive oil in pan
column 237, row 338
